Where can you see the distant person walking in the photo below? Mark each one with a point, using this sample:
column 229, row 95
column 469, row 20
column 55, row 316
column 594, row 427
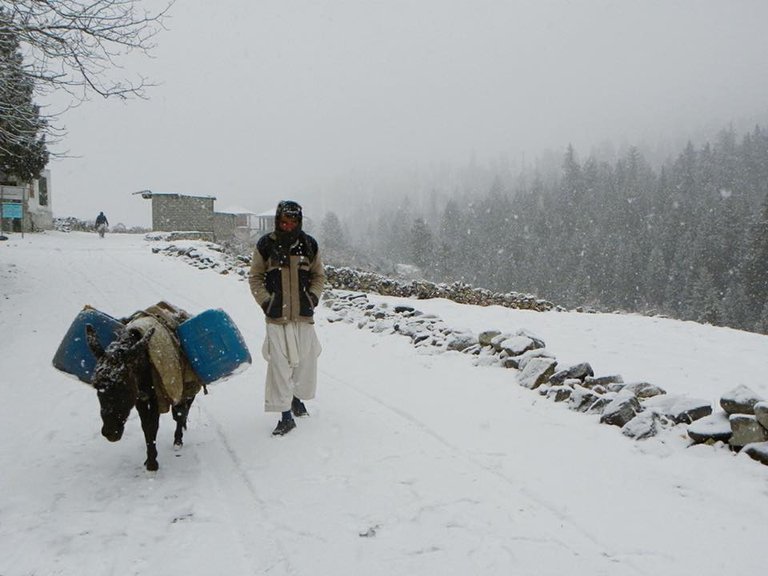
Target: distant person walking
column 287, row 279
column 101, row 224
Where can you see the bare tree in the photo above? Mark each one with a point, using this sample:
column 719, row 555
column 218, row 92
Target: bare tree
column 76, row 45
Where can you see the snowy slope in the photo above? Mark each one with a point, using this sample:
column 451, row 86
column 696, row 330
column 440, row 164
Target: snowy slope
column 409, row 463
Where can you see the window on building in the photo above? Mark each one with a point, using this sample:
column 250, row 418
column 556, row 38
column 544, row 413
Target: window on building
column 43, row 187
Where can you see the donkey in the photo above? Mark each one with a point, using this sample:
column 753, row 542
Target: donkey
column 123, row 379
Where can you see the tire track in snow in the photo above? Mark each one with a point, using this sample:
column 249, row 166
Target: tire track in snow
column 460, row 454
column 262, row 550
column 80, row 276
column 138, row 276
column 226, row 466
column 123, row 273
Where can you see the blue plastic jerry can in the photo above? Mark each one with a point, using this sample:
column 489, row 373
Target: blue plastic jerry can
column 213, row 345
column 73, row 355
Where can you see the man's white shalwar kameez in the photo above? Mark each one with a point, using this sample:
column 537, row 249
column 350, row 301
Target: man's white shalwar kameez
column 291, row 351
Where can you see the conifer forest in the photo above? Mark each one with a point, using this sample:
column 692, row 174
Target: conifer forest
column 685, row 238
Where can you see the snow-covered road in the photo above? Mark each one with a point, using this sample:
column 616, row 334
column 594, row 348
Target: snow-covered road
column 410, row 464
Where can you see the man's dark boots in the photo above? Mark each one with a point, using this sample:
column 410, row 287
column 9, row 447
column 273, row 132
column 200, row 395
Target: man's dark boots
column 298, row 408
column 285, row 425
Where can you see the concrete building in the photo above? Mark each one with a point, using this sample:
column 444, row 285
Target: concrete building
column 177, row 212
column 181, row 213
column 26, row 207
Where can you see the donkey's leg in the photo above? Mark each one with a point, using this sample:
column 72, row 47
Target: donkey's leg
column 180, row 413
column 150, row 422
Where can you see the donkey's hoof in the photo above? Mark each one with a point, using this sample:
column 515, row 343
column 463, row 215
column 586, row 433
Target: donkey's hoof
column 177, row 445
column 152, row 466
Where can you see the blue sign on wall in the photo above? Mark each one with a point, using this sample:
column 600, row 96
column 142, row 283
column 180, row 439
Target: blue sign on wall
column 11, row 210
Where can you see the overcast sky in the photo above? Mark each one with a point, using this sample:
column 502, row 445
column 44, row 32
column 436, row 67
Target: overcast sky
column 262, row 100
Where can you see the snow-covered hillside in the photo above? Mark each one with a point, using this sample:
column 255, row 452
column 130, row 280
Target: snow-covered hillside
column 410, row 463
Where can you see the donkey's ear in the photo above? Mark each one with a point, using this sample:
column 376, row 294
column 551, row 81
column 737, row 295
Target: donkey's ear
column 147, row 335
column 93, row 341
column 143, row 339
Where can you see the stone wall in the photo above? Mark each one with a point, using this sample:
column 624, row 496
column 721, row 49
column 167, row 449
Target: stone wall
column 350, row 279
column 639, row 409
column 177, row 212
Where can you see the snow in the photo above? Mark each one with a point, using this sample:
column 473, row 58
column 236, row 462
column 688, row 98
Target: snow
column 717, row 423
column 235, row 209
column 409, row 463
column 741, row 394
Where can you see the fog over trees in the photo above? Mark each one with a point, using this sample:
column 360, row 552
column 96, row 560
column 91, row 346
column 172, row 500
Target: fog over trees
column 686, row 237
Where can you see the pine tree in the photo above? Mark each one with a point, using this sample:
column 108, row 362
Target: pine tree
column 452, row 240
column 23, row 151
column 705, row 302
column 762, row 323
column 655, row 278
column 756, row 263
column 332, row 233
column 422, row 246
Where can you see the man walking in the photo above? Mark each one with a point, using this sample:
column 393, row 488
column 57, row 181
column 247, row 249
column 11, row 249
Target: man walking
column 101, row 224
column 287, row 279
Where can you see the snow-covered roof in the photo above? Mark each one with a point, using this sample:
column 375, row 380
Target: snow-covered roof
column 147, row 194
column 236, row 210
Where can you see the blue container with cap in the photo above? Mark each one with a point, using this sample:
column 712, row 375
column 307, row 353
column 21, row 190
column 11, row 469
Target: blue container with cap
column 213, row 345
column 74, row 356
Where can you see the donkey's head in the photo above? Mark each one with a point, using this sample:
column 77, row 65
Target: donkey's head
column 116, row 377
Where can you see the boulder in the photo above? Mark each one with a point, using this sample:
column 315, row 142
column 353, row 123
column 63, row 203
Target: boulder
column 537, row 342
column 409, row 327
column 599, row 389
column 757, row 451
column 679, row 408
column 591, row 381
column 582, row 399
column 746, row 430
column 535, row 353
column 740, row 400
column 644, row 425
column 598, row 406
column 420, row 337
column 536, row 372
column 713, row 428
column 460, row 341
column 559, row 393
column 487, row 336
column 517, row 345
column 644, row 389
column 621, row 409
column 615, row 386
column 474, row 349
column 579, row 371
column 761, row 413
column 406, row 310
column 498, row 339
